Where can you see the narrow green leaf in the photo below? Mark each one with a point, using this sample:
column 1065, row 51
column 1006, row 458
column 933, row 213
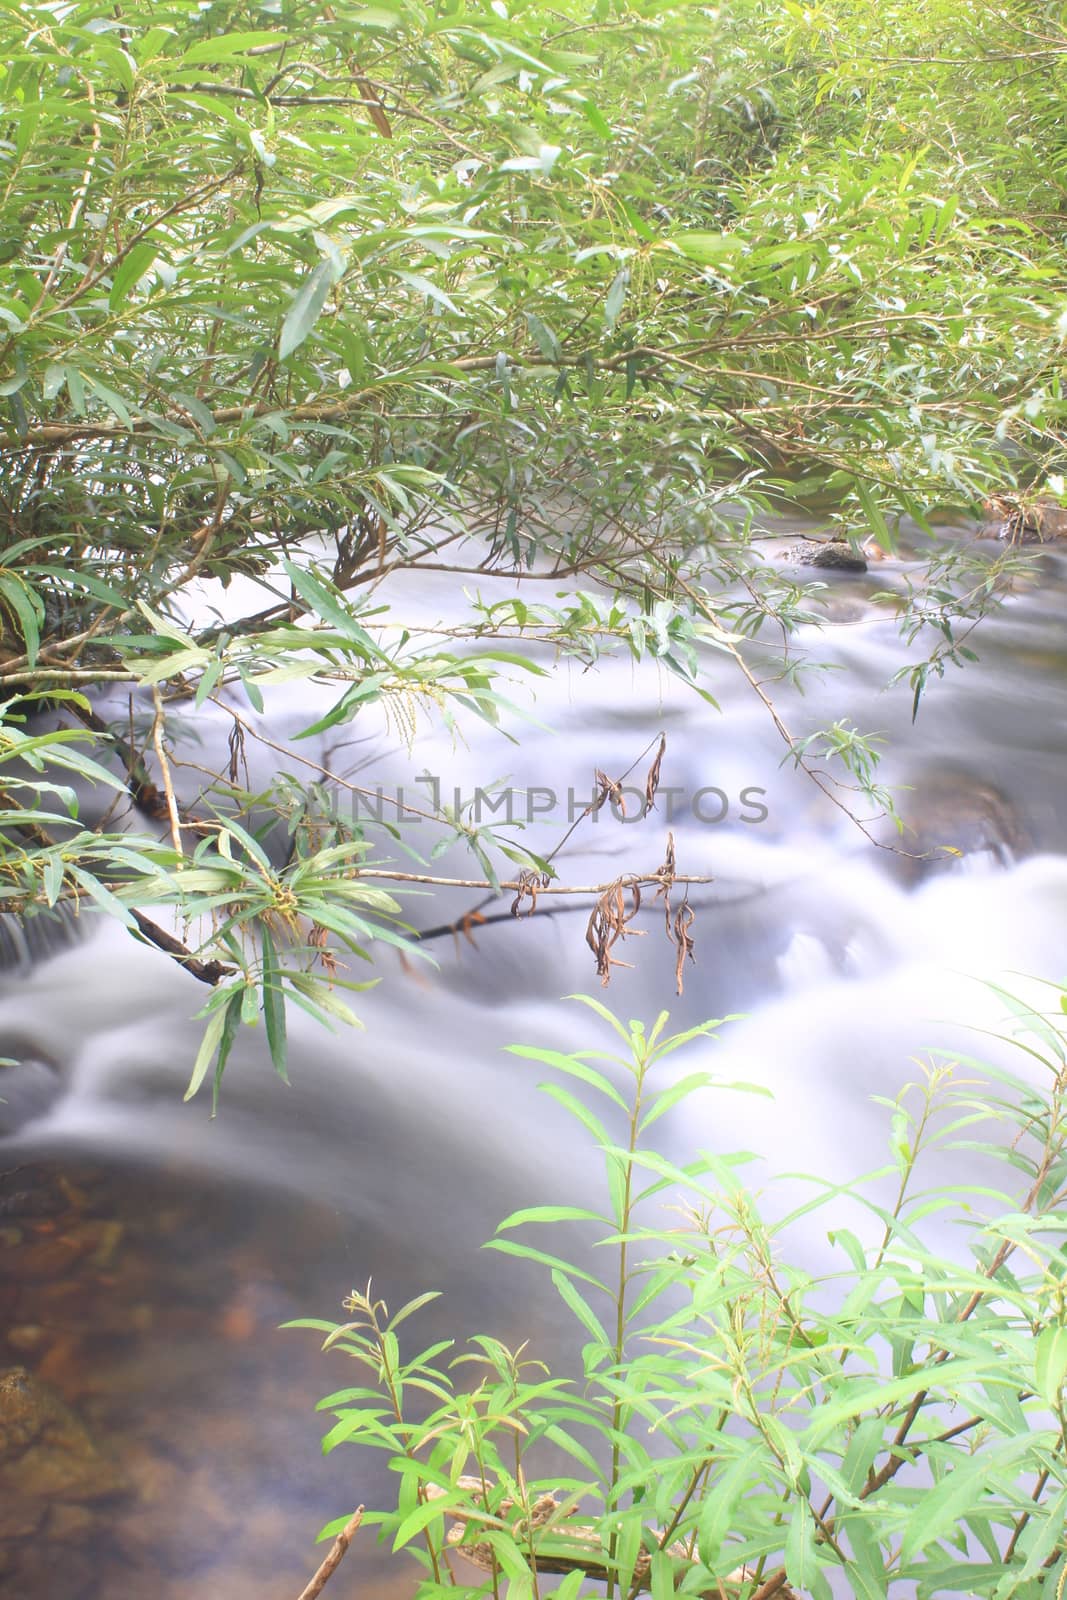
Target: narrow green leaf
column 129, row 272
column 581, row 1308
column 800, row 1562
column 519, row 1219
column 306, row 309
column 273, row 1003
column 28, row 611
column 208, row 1045
column 510, row 1247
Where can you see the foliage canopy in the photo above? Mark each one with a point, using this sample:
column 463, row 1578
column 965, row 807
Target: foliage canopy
column 568, row 296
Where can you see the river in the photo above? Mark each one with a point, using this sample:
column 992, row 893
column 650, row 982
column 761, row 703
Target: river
column 148, row 1254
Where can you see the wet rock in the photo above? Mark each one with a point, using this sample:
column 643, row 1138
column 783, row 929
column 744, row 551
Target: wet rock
column 27, row 1089
column 27, row 1337
column 834, row 555
column 953, row 819
column 69, row 1522
column 1023, row 521
column 32, row 1193
column 43, row 1256
column 180, row 1519
column 45, row 1450
column 19, row 1517
column 49, row 1567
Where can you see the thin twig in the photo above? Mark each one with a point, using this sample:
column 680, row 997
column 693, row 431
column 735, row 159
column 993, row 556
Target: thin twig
column 514, row 884
column 333, row 1560
column 164, row 767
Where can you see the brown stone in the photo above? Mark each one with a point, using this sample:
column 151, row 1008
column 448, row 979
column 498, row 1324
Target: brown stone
column 19, row 1517
column 47, row 1256
column 45, row 1450
column 22, row 1411
column 63, row 1364
column 46, row 1568
column 68, row 1522
column 27, row 1336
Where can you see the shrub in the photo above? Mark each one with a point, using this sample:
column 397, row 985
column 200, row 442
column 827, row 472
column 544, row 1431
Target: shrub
column 744, row 1426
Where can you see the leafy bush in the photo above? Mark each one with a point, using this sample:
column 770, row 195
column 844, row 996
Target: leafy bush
column 745, row 1426
column 569, row 297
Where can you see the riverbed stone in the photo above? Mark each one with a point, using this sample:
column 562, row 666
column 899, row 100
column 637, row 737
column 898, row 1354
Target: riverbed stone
column 46, row 1451
column 27, row 1089
column 953, row 815
column 19, row 1517
column 834, row 555
column 43, row 1256
column 62, row 1569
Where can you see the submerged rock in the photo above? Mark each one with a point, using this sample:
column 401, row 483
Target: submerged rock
column 954, row 818
column 27, row 1089
column 834, row 555
column 46, row 1451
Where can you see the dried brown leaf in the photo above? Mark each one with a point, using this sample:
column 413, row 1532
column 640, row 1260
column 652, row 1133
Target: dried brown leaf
column 652, row 781
column 683, row 922
column 236, row 745
column 609, row 922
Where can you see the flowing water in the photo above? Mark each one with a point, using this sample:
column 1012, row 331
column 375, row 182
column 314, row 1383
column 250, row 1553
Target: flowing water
column 148, row 1254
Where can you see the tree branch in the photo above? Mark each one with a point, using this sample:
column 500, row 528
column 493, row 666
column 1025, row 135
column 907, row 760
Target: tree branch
column 334, row 1558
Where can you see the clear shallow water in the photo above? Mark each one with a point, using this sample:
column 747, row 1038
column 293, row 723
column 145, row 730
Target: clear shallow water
column 397, row 1149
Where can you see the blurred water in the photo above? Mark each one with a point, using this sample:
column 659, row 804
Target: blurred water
column 400, row 1146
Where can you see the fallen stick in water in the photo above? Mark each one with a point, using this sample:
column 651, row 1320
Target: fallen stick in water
column 335, row 1557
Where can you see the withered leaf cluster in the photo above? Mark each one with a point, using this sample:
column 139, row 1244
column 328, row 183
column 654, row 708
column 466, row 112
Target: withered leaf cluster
column 609, row 922
column 677, row 924
column 618, row 906
column 607, row 789
column 318, row 939
column 529, row 883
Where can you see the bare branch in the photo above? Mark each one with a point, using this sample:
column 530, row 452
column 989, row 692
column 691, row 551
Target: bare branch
column 333, row 1560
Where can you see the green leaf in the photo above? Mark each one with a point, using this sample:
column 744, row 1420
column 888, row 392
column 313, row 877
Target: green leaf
column 718, row 1511
column 130, row 271
column 938, row 1512
column 427, row 287
column 578, row 1111
column 222, row 46
column 218, row 1024
column 425, row 1513
column 573, row 1067
column 1050, row 1363
column 671, row 1097
column 616, row 297
column 863, row 1397
column 706, row 249
column 519, row 1219
column 28, row 610
column 801, row 1564
column 544, row 337
column 525, row 1252
column 327, row 603
column 581, row 1308
column 306, row 309
column 273, row 1003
